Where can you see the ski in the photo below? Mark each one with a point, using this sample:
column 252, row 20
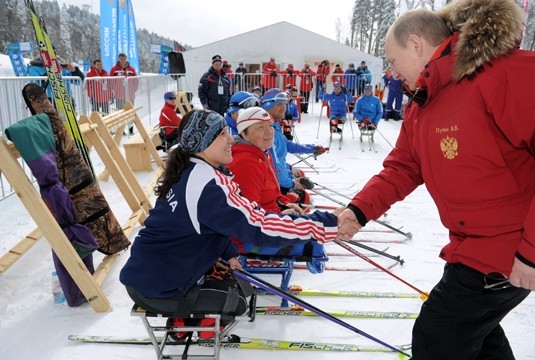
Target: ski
column 237, row 342
column 62, row 98
column 299, row 311
column 336, row 268
column 298, row 290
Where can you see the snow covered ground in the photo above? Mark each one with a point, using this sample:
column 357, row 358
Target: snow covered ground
column 33, row 327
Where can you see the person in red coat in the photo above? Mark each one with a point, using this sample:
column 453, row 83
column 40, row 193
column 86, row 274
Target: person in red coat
column 289, row 76
column 169, row 120
column 338, row 75
column 252, row 165
column 269, row 75
column 123, row 69
column 469, row 136
column 305, row 86
column 324, row 70
column 98, row 89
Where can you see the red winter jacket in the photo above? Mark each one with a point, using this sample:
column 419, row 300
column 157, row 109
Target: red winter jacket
column 98, row 89
column 472, row 142
column 253, row 171
column 118, row 88
column 307, row 82
column 169, row 119
column 338, row 75
column 268, row 80
column 322, row 72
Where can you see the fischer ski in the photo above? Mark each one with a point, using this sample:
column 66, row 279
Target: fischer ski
column 236, row 342
column 62, row 99
column 298, row 290
column 300, row 311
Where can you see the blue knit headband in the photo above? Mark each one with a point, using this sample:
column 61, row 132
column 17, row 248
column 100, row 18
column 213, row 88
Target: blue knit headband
column 201, row 130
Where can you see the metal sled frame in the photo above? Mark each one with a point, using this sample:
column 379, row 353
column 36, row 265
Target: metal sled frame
column 160, row 343
column 368, row 133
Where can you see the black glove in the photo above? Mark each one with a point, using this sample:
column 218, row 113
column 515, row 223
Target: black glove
column 288, row 116
column 273, row 74
column 344, row 90
column 351, row 107
column 318, row 150
column 306, row 183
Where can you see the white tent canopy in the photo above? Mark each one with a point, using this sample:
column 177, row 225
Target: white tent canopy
column 287, row 43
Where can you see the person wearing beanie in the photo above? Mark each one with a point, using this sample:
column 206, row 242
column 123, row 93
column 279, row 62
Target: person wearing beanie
column 305, row 86
column 169, row 121
column 289, row 76
column 338, row 75
column 274, row 102
column 215, row 87
column 257, row 91
column 468, row 136
column 339, row 101
column 198, row 209
column 241, row 82
column 368, row 109
column 238, row 101
column 252, row 168
column 364, row 76
column 350, row 80
column 270, row 72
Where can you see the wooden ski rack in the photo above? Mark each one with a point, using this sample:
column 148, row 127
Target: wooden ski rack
column 96, row 130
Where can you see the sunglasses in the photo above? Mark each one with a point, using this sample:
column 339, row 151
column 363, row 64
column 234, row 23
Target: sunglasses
column 247, row 103
column 496, row 281
column 173, row 98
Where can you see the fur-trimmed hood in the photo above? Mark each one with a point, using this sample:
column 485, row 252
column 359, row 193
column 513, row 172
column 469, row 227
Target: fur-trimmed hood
column 487, row 28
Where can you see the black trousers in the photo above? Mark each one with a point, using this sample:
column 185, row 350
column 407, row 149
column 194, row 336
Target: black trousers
column 461, row 320
column 208, row 298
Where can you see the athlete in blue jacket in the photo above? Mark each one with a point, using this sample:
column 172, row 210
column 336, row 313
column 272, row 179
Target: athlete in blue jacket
column 368, row 107
column 198, row 208
column 339, row 101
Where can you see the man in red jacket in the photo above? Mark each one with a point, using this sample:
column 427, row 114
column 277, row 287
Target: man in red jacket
column 97, row 89
column 469, row 136
column 169, row 120
column 124, row 89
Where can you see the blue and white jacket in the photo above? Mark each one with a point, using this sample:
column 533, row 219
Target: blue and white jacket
column 281, row 147
column 338, row 103
column 189, row 228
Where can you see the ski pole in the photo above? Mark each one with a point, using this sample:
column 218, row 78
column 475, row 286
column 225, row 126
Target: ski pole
column 379, row 252
column 333, row 191
column 388, row 142
column 423, row 296
column 408, row 234
column 242, row 274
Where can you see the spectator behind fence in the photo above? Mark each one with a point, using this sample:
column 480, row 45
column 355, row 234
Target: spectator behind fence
column 364, row 76
column 321, row 76
column 98, row 89
column 124, row 89
column 214, row 87
column 350, row 77
column 241, row 82
column 269, row 74
column 305, row 86
column 338, row 75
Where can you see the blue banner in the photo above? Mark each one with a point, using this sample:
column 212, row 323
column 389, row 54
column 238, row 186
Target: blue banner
column 133, row 53
column 108, row 33
column 15, row 51
column 164, row 51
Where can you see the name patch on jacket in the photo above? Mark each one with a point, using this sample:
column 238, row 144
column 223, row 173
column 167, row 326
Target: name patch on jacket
column 448, row 144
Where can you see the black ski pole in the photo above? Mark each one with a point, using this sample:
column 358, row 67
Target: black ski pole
column 408, row 234
column 333, row 191
column 242, row 274
column 373, row 250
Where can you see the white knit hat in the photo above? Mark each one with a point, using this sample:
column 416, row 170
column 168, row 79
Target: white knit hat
column 251, row 116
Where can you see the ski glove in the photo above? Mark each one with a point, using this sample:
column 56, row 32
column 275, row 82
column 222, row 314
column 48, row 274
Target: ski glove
column 318, row 150
column 306, row 183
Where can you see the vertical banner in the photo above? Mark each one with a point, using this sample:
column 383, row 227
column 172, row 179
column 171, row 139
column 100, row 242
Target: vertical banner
column 108, row 33
column 163, row 51
column 15, row 51
column 133, row 53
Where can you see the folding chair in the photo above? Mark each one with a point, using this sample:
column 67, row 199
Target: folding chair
column 166, row 145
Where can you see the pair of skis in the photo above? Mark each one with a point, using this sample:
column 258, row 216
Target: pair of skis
column 62, row 98
column 236, row 342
